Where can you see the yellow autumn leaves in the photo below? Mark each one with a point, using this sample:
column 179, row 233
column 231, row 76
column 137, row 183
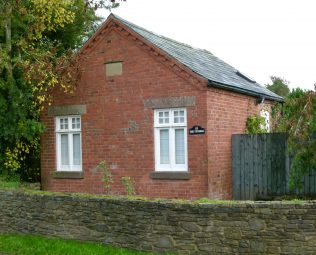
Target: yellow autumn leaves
column 37, row 61
column 40, row 73
column 14, row 157
column 51, row 14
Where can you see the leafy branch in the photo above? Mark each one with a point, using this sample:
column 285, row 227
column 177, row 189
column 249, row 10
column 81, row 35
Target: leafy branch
column 297, row 117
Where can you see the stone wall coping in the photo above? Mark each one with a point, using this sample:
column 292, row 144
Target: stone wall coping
column 174, row 203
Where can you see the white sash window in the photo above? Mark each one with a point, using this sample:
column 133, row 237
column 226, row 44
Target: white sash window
column 68, row 145
column 171, row 140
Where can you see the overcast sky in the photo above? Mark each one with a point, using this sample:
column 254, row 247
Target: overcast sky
column 258, row 37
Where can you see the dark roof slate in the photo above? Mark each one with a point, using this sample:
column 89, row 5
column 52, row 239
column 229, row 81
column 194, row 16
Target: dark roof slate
column 204, row 63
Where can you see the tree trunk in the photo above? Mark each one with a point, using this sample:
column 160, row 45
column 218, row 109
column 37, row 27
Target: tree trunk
column 8, row 37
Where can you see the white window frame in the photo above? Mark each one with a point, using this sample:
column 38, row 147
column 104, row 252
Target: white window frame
column 70, row 131
column 171, row 126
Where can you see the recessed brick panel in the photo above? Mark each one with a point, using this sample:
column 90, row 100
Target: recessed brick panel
column 113, row 68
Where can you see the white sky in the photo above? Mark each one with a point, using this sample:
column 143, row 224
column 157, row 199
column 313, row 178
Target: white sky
column 258, row 37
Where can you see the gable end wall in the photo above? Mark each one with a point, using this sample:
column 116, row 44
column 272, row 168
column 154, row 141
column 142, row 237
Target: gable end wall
column 118, row 127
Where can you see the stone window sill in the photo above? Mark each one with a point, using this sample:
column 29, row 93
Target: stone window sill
column 171, row 175
column 67, row 175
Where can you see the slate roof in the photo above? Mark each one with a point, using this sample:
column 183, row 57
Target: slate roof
column 217, row 72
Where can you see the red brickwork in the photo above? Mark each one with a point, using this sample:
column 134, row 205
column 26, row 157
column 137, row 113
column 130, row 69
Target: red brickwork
column 227, row 114
column 115, row 104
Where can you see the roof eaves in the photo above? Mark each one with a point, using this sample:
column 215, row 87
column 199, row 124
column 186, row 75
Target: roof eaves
column 243, row 91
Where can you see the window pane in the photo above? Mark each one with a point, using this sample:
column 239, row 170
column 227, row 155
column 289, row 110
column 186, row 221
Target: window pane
column 64, row 149
column 163, row 117
column 66, row 123
column 179, row 144
column 76, row 149
column 75, row 123
column 61, row 123
column 178, row 116
column 164, row 146
column 166, row 117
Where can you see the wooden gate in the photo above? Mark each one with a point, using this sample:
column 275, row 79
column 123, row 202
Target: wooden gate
column 261, row 167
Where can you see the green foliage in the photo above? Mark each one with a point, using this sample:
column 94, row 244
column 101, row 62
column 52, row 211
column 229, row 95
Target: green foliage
column 107, row 4
column 279, row 86
column 107, row 176
column 205, row 200
column 255, row 125
column 297, row 117
column 38, row 44
column 38, row 39
column 9, row 182
column 74, row 34
column 129, row 185
column 35, row 245
column 12, row 182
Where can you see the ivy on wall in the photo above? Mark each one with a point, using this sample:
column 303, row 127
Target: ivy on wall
column 255, row 124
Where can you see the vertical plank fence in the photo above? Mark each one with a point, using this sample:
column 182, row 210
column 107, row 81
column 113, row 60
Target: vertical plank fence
column 261, row 168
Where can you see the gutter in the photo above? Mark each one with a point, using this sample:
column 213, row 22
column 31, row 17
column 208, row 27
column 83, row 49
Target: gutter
column 243, row 91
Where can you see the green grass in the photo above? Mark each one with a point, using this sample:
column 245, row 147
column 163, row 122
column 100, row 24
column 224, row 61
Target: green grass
column 205, row 200
column 35, row 245
column 13, row 183
column 9, row 184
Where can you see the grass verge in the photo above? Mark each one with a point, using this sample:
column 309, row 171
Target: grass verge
column 36, row 245
column 9, row 184
column 13, row 183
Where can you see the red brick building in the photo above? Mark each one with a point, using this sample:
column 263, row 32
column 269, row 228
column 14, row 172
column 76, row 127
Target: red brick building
column 156, row 110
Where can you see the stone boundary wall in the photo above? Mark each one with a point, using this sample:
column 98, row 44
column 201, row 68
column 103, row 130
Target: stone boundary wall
column 179, row 228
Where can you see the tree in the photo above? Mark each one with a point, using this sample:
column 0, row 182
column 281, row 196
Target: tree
column 297, row 117
column 279, row 86
column 38, row 42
